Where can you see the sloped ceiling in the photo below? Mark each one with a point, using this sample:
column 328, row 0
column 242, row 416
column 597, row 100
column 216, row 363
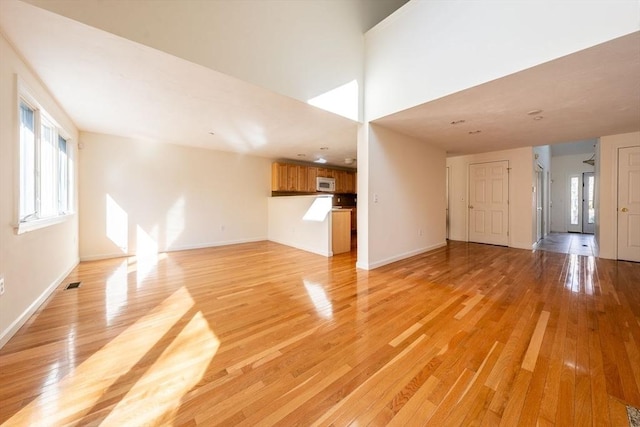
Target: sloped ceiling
column 111, row 85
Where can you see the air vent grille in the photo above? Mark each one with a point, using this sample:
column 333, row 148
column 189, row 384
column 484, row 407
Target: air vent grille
column 73, row 285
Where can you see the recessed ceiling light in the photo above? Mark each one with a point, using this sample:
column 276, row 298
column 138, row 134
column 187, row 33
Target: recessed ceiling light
column 538, row 118
column 534, row 112
column 473, row 132
column 349, row 161
column 320, row 160
column 324, row 148
column 457, row 122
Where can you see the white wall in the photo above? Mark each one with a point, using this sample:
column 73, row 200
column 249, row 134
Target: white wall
column 607, row 191
column 521, row 218
column 562, row 168
column 405, row 200
column 303, row 222
column 32, row 264
column 297, row 48
column 430, row 49
column 136, row 194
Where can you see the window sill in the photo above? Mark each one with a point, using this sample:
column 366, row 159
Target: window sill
column 25, row 227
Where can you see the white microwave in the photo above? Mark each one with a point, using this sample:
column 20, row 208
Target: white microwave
column 325, row 184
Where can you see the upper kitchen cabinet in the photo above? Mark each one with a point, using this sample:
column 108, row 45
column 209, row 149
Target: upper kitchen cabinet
column 295, row 178
column 285, row 177
column 312, row 174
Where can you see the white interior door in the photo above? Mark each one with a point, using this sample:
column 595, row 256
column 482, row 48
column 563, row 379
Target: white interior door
column 489, row 203
column 629, row 204
column 588, row 207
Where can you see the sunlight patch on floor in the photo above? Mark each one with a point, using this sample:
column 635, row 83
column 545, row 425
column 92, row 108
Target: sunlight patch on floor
column 99, row 377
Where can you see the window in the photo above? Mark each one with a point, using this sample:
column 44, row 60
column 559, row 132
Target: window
column 46, row 167
column 591, row 217
column 575, row 199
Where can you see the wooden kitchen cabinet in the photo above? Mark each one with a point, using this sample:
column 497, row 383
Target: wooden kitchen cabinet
column 341, row 181
column 303, row 179
column 293, row 178
column 350, row 182
column 354, row 219
column 290, row 178
column 312, row 174
column 279, row 177
column 340, row 231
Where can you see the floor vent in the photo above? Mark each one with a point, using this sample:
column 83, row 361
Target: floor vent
column 73, row 285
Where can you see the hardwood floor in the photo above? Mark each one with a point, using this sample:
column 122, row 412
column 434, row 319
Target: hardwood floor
column 263, row 334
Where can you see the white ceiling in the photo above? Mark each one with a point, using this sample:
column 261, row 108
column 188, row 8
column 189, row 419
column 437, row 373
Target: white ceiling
column 572, row 148
column 111, row 85
column 588, row 94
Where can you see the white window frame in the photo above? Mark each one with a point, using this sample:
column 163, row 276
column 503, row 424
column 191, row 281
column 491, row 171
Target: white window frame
column 36, row 221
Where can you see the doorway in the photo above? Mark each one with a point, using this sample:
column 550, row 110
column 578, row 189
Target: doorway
column 489, row 203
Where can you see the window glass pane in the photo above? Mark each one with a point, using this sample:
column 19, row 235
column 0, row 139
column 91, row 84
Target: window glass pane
column 591, row 191
column 63, row 176
column 575, row 199
column 48, row 168
column 27, row 161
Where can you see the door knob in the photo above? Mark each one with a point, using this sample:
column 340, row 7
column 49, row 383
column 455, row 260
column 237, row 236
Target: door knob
column 624, row 210
column 470, row 206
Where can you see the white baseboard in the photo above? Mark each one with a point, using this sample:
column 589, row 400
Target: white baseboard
column 380, row 263
column 304, row 248
column 6, row 335
column 214, row 244
column 522, row 245
column 175, row 248
column 102, row 256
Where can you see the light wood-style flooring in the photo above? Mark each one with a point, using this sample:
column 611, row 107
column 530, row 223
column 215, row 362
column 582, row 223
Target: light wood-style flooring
column 263, row 334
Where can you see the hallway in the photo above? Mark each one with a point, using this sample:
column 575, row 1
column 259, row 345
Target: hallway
column 568, row 243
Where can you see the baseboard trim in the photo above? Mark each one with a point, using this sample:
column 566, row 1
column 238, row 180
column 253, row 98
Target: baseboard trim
column 8, row 333
column 176, row 248
column 376, row 264
column 304, row 248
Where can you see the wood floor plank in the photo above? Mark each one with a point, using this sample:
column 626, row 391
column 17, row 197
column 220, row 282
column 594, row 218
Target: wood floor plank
column 530, row 358
column 264, row 334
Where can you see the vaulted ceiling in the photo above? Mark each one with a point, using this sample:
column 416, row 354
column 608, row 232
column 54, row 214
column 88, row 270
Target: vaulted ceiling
column 109, row 84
